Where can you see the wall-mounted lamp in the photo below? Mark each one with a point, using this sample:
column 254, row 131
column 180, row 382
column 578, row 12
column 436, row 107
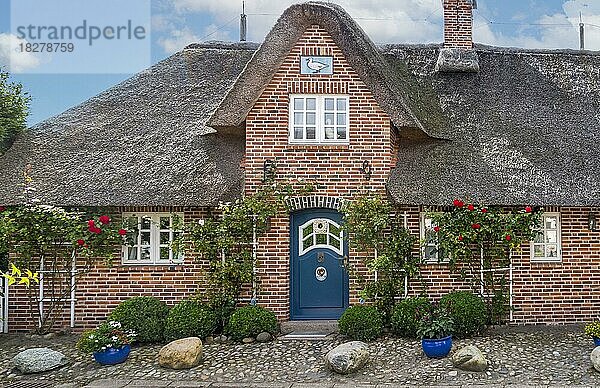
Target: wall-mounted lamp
column 592, row 223
column 269, row 169
column 366, row 169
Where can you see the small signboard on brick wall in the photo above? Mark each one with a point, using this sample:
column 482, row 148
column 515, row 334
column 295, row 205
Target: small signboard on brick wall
column 316, row 65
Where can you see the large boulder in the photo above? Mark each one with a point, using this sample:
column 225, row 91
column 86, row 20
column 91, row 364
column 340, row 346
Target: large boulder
column 39, row 360
column 348, row 357
column 595, row 357
column 183, row 353
column 470, row 358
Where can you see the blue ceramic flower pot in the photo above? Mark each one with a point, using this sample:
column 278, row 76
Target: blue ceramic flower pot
column 437, row 348
column 112, row 356
column 596, row 341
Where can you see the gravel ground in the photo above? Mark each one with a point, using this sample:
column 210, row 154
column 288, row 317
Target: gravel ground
column 532, row 356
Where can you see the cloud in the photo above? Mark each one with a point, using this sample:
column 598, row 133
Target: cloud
column 177, row 40
column 11, row 56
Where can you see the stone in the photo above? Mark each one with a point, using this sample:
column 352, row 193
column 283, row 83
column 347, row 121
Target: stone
column 453, row 373
column 457, row 60
column 469, row 358
column 183, row 353
column 348, row 357
column 595, row 357
column 223, row 338
column 49, row 335
column 248, row 340
column 209, row 340
column 39, row 360
column 264, row 337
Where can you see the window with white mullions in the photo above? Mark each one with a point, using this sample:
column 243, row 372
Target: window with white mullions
column 153, row 239
column 430, row 248
column 546, row 244
column 320, row 233
column 318, row 119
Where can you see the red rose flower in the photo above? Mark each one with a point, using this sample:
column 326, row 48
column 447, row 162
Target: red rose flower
column 122, row 232
column 95, row 230
column 508, row 237
column 91, row 223
column 476, row 226
column 528, row 209
column 2, row 208
column 458, row 203
column 80, row 242
column 436, row 228
column 484, row 210
column 104, row 220
column 471, row 207
column 460, row 238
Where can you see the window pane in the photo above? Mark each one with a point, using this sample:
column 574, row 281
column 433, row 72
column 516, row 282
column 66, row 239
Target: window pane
column 311, row 118
column 550, row 222
column 145, row 238
column 146, row 222
column 329, row 118
column 341, row 104
column 335, row 243
column 329, row 133
column 308, row 230
column 538, row 250
column 307, row 244
column 539, row 237
column 298, row 103
column 551, row 236
column 311, row 133
column 145, row 253
column 132, row 253
column 551, row 251
column 329, row 104
column 311, row 104
column 298, row 133
column 430, row 252
column 165, row 222
column 341, row 119
column 298, row 118
column 334, row 230
column 341, row 133
column 165, row 238
column 322, row 239
column 164, row 253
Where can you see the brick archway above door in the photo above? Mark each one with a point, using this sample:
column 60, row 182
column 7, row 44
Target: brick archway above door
column 314, row 201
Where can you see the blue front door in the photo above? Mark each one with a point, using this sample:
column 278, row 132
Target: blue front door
column 319, row 281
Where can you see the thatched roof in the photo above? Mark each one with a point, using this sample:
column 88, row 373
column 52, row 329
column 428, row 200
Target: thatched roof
column 525, row 129
column 142, row 142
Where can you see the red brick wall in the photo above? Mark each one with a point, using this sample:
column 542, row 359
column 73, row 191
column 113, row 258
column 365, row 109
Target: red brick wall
column 458, row 23
column 337, row 168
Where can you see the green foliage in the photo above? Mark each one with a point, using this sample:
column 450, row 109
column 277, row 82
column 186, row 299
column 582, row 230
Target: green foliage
column 592, row 329
column 223, row 307
column 190, row 318
column 468, row 312
column 250, row 321
column 107, row 335
column 371, row 226
column 363, row 323
column 14, row 108
column 406, row 315
column 145, row 315
column 226, row 240
column 435, row 322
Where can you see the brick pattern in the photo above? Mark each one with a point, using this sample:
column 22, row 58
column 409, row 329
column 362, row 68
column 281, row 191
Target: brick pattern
column 458, row 24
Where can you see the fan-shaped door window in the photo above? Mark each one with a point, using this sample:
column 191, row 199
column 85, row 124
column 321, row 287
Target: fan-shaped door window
column 320, row 233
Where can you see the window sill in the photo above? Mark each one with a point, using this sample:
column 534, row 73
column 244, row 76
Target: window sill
column 318, row 147
column 546, row 261
column 149, row 267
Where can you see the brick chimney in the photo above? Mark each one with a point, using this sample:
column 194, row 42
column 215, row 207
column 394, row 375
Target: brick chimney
column 458, row 55
column 458, row 23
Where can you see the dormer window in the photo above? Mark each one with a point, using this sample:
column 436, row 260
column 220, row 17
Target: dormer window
column 318, row 119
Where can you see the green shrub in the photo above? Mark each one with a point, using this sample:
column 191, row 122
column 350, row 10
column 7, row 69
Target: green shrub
column 250, row 321
column 405, row 316
column 223, row 307
column 190, row 318
column 363, row 323
column 468, row 312
column 145, row 315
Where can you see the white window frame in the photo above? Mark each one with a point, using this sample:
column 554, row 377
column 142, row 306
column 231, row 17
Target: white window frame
column 320, row 118
column 543, row 229
column 423, row 229
column 155, row 245
column 313, row 236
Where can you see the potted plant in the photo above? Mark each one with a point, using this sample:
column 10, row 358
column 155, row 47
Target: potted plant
column 109, row 344
column 435, row 329
column 593, row 330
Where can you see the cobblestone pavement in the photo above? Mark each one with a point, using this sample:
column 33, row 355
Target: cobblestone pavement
column 533, row 356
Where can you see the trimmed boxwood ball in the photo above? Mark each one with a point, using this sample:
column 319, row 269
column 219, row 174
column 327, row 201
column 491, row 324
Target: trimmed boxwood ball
column 363, row 323
column 468, row 311
column 250, row 321
column 405, row 315
column 145, row 315
column 190, row 318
